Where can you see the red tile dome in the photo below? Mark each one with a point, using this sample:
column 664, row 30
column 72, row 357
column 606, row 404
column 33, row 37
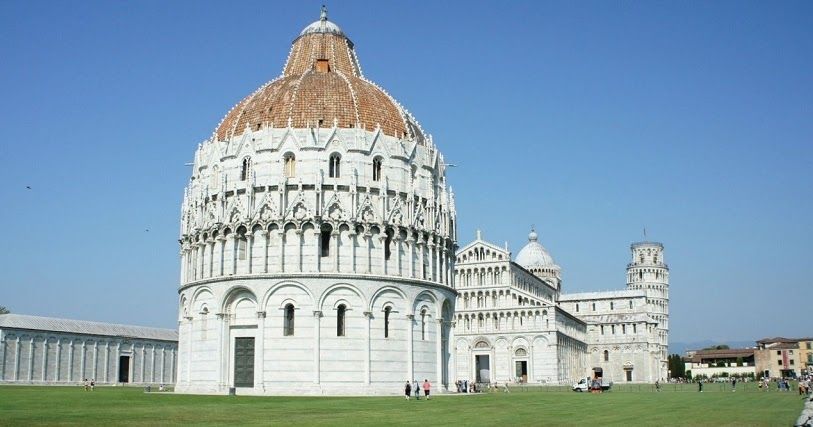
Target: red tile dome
column 321, row 83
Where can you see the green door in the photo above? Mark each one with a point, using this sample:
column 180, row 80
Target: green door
column 244, row 362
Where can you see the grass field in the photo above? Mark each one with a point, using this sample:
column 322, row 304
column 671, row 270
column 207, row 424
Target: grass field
column 630, row 405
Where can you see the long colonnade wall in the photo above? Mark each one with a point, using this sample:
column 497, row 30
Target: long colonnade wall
column 50, row 358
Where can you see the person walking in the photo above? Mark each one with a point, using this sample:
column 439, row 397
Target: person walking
column 657, row 385
column 416, row 389
column 700, row 386
column 505, row 388
column 93, row 384
column 426, row 388
column 407, row 390
column 734, row 384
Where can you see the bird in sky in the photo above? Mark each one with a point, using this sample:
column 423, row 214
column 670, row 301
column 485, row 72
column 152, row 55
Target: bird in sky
column 28, row 187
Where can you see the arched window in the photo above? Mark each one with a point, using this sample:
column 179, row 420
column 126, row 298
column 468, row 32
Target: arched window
column 288, row 327
column 377, row 169
column 594, row 306
column 387, row 312
column 244, row 171
column 324, row 240
column 611, row 305
column 630, row 303
column 387, row 243
column 423, row 324
column 606, row 355
column 577, row 308
column 340, row 315
column 333, row 167
column 242, row 243
column 290, row 165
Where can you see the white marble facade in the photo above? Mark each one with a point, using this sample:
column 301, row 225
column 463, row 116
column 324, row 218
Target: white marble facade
column 42, row 350
column 514, row 324
column 329, row 247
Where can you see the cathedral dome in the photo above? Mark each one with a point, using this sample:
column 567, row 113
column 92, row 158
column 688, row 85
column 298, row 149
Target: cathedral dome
column 321, row 85
column 533, row 254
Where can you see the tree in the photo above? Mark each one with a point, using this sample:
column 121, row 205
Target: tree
column 4, row 310
column 676, row 366
column 717, row 347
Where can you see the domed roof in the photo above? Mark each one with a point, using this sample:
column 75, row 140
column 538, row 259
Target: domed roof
column 534, row 254
column 321, row 85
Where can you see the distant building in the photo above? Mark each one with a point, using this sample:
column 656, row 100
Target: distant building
column 783, row 357
column 720, row 363
column 514, row 323
column 45, row 350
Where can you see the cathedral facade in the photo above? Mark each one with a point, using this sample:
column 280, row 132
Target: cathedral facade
column 317, row 238
column 514, row 323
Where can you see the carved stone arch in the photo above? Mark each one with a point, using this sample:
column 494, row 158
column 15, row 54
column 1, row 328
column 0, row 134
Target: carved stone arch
column 337, row 286
column 434, row 308
column 235, row 293
column 482, row 343
column 381, row 291
column 288, row 283
column 201, row 295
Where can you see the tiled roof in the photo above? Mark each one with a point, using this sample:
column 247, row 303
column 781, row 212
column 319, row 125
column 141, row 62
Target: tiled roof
column 320, row 82
column 37, row 323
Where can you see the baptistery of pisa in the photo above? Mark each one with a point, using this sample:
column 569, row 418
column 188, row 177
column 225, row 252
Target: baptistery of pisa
column 317, row 238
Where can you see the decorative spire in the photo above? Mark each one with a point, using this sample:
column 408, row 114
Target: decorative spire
column 323, row 13
column 532, row 237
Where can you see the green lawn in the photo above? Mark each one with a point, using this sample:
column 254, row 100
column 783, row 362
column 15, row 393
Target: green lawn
column 630, row 405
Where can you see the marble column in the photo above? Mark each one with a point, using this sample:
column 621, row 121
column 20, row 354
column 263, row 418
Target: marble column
column 234, row 256
column 353, row 241
column 16, row 359
column 411, row 247
column 439, row 352
column 382, row 240
column 299, row 244
column 335, row 237
column 368, row 256
column 399, row 266
column 44, row 357
column 83, row 362
column 70, row 361
column 250, row 251
column 266, row 241
column 259, row 375
column 317, row 246
column 220, row 255
column 58, row 357
column 317, row 356
column 282, row 238
column 410, row 344
column 367, row 319
column 31, row 360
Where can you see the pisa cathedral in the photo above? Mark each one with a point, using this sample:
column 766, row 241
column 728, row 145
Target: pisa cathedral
column 319, row 250
column 514, row 323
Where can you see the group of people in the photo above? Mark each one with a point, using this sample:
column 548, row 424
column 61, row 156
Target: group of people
column 414, row 387
column 89, row 385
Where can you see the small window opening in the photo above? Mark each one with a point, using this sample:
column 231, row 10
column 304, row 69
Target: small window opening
column 387, row 243
column 288, row 328
column 335, row 161
column 241, row 247
column 377, row 169
column 245, row 169
column 340, row 314
column 611, row 305
column 387, row 312
column 322, row 66
column 606, row 356
column 577, row 308
column 290, row 165
column 325, row 240
column 423, row 324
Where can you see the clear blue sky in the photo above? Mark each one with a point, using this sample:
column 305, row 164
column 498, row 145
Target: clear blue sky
column 591, row 120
